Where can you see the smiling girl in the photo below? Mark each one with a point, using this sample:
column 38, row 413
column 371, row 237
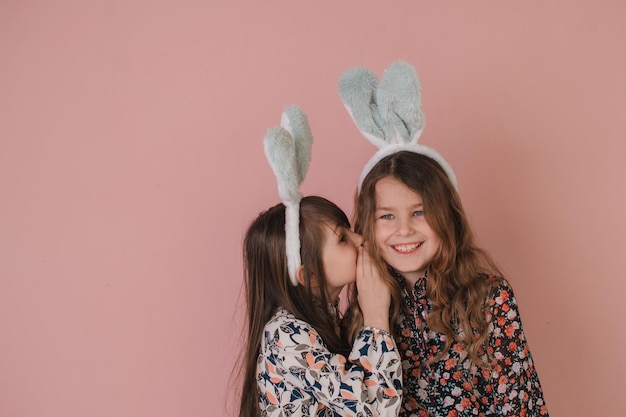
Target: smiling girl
column 458, row 326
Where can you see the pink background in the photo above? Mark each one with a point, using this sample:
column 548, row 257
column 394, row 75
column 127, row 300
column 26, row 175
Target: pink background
column 131, row 162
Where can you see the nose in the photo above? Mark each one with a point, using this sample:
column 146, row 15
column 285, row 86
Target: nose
column 404, row 226
column 356, row 238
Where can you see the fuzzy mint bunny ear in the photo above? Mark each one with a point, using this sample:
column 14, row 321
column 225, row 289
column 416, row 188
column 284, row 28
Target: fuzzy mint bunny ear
column 388, row 113
column 288, row 151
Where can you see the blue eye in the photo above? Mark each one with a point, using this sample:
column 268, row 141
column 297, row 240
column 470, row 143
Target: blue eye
column 418, row 213
column 387, row 216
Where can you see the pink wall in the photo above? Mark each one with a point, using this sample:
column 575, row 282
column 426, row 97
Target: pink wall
column 131, row 162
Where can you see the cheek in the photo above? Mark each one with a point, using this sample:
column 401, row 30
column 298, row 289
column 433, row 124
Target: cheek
column 436, row 243
column 351, row 257
column 380, row 233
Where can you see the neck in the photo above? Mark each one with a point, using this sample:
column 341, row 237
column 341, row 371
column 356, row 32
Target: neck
column 333, row 294
column 411, row 278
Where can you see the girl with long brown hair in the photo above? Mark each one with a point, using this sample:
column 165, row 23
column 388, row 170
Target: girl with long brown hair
column 297, row 361
column 458, row 326
column 298, row 256
column 457, row 323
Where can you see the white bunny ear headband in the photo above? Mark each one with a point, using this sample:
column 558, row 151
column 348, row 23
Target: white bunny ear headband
column 388, row 113
column 288, row 150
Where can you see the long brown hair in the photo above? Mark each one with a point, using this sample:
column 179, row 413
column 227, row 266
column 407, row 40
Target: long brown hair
column 267, row 286
column 456, row 285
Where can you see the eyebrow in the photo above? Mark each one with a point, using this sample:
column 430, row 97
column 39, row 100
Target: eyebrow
column 391, row 209
column 335, row 229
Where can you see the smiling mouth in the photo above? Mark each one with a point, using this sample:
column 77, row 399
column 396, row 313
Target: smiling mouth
column 408, row 248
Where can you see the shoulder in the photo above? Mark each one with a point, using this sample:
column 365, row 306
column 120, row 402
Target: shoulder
column 284, row 329
column 499, row 289
column 501, row 303
column 283, row 319
column 500, row 295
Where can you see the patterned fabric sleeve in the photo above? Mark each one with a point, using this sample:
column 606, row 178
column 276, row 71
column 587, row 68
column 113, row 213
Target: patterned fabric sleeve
column 516, row 387
column 368, row 383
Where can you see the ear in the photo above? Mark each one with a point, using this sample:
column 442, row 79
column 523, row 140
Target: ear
column 357, row 89
column 300, row 275
column 399, row 102
column 295, row 122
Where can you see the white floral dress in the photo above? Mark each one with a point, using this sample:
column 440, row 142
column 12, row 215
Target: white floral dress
column 298, row 376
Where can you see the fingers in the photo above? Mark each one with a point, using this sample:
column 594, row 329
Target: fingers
column 359, row 264
column 368, row 277
column 373, row 292
column 364, row 267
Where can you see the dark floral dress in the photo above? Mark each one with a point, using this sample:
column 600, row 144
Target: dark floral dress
column 453, row 386
column 298, row 376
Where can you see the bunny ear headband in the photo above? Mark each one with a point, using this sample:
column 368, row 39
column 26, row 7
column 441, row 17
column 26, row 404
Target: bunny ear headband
column 388, row 113
column 288, row 151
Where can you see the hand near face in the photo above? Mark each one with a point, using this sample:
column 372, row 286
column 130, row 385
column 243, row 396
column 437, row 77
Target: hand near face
column 374, row 294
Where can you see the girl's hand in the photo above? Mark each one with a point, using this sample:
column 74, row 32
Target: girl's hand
column 374, row 294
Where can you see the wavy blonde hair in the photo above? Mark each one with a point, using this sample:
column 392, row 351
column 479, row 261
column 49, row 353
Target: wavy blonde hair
column 457, row 286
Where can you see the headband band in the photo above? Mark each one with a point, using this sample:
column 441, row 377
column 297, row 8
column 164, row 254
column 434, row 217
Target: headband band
column 288, row 151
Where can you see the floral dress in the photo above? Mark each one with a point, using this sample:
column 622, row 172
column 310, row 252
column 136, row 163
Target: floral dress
column 298, row 376
column 453, row 386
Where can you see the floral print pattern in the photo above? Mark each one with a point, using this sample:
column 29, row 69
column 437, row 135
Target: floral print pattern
column 298, row 376
column 453, row 386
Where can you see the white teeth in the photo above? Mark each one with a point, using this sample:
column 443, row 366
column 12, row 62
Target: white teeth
column 406, row 248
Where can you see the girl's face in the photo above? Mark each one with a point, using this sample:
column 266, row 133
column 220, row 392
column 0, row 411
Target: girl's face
column 406, row 241
column 339, row 253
